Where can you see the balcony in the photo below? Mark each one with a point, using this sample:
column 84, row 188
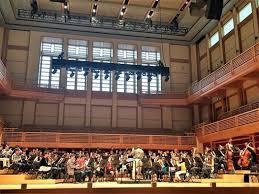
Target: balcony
column 240, row 125
column 243, row 67
column 94, row 140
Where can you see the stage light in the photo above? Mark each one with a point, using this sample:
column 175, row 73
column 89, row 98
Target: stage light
column 86, row 72
column 138, row 75
column 96, row 75
column 127, row 76
column 149, row 78
column 54, row 71
column 72, row 74
column 166, row 78
column 117, row 76
column 106, row 74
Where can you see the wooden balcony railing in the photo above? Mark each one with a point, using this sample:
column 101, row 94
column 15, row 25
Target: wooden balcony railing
column 239, row 65
column 229, row 123
column 93, row 140
column 239, row 110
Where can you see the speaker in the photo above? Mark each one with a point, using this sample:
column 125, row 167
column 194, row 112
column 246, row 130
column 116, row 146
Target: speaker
column 214, row 9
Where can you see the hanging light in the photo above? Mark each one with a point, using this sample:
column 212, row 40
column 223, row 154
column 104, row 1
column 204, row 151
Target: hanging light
column 96, row 75
column 54, row 71
column 127, row 76
column 72, row 74
column 106, row 74
column 117, row 76
column 167, row 78
column 138, row 75
column 149, row 78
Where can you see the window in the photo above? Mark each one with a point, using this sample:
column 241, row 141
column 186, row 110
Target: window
column 102, row 52
column 228, row 26
column 150, row 56
column 77, row 50
column 50, row 49
column 257, row 3
column 127, row 54
column 214, row 39
column 245, row 12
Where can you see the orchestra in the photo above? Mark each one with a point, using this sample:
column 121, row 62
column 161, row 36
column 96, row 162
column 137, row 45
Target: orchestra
column 104, row 165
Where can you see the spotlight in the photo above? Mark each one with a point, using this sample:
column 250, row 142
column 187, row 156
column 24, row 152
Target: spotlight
column 117, row 76
column 54, row 71
column 106, row 74
column 72, row 74
column 86, row 72
column 167, row 78
column 138, row 75
column 96, row 75
column 127, row 76
column 149, row 78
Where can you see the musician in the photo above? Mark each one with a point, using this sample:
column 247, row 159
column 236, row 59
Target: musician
column 138, row 155
column 147, row 167
column 208, row 167
column 71, row 166
column 181, row 164
column 229, row 156
column 247, row 157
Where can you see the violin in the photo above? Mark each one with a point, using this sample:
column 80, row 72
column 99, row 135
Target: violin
column 245, row 156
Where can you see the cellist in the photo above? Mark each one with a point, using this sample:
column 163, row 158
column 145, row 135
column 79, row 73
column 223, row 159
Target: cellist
column 246, row 157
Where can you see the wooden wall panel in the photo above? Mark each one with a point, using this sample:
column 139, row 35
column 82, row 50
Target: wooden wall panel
column 11, row 111
column 233, row 102
column 101, row 116
column 127, row 117
column 215, row 58
column 230, row 48
column 182, row 118
column 247, row 35
column 204, row 113
column 252, row 94
column 203, row 47
column 203, row 67
column 46, row 114
column 179, row 52
column 18, row 38
column 151, row 117
column 74, row 115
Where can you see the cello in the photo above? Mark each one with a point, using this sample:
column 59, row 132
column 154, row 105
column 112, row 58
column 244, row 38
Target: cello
column 245, row 157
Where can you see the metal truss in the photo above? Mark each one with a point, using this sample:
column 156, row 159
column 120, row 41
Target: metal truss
column 102, row 22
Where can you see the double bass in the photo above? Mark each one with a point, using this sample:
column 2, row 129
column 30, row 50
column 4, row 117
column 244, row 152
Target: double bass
column 245, row 157
column 229, row 156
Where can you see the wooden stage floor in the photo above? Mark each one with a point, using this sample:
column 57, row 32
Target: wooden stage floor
column 226, row 184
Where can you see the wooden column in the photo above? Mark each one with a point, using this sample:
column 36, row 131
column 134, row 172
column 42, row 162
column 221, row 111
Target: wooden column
column 63, row 71
column 61, row 108
column 237, row 39
column 255, row 20
column 221, row 45
column 114, row 89
column 5, row 46
column 208, row 55
column 88, row 99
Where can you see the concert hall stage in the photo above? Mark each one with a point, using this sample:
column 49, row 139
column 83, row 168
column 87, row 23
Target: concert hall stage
column 225, row 185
